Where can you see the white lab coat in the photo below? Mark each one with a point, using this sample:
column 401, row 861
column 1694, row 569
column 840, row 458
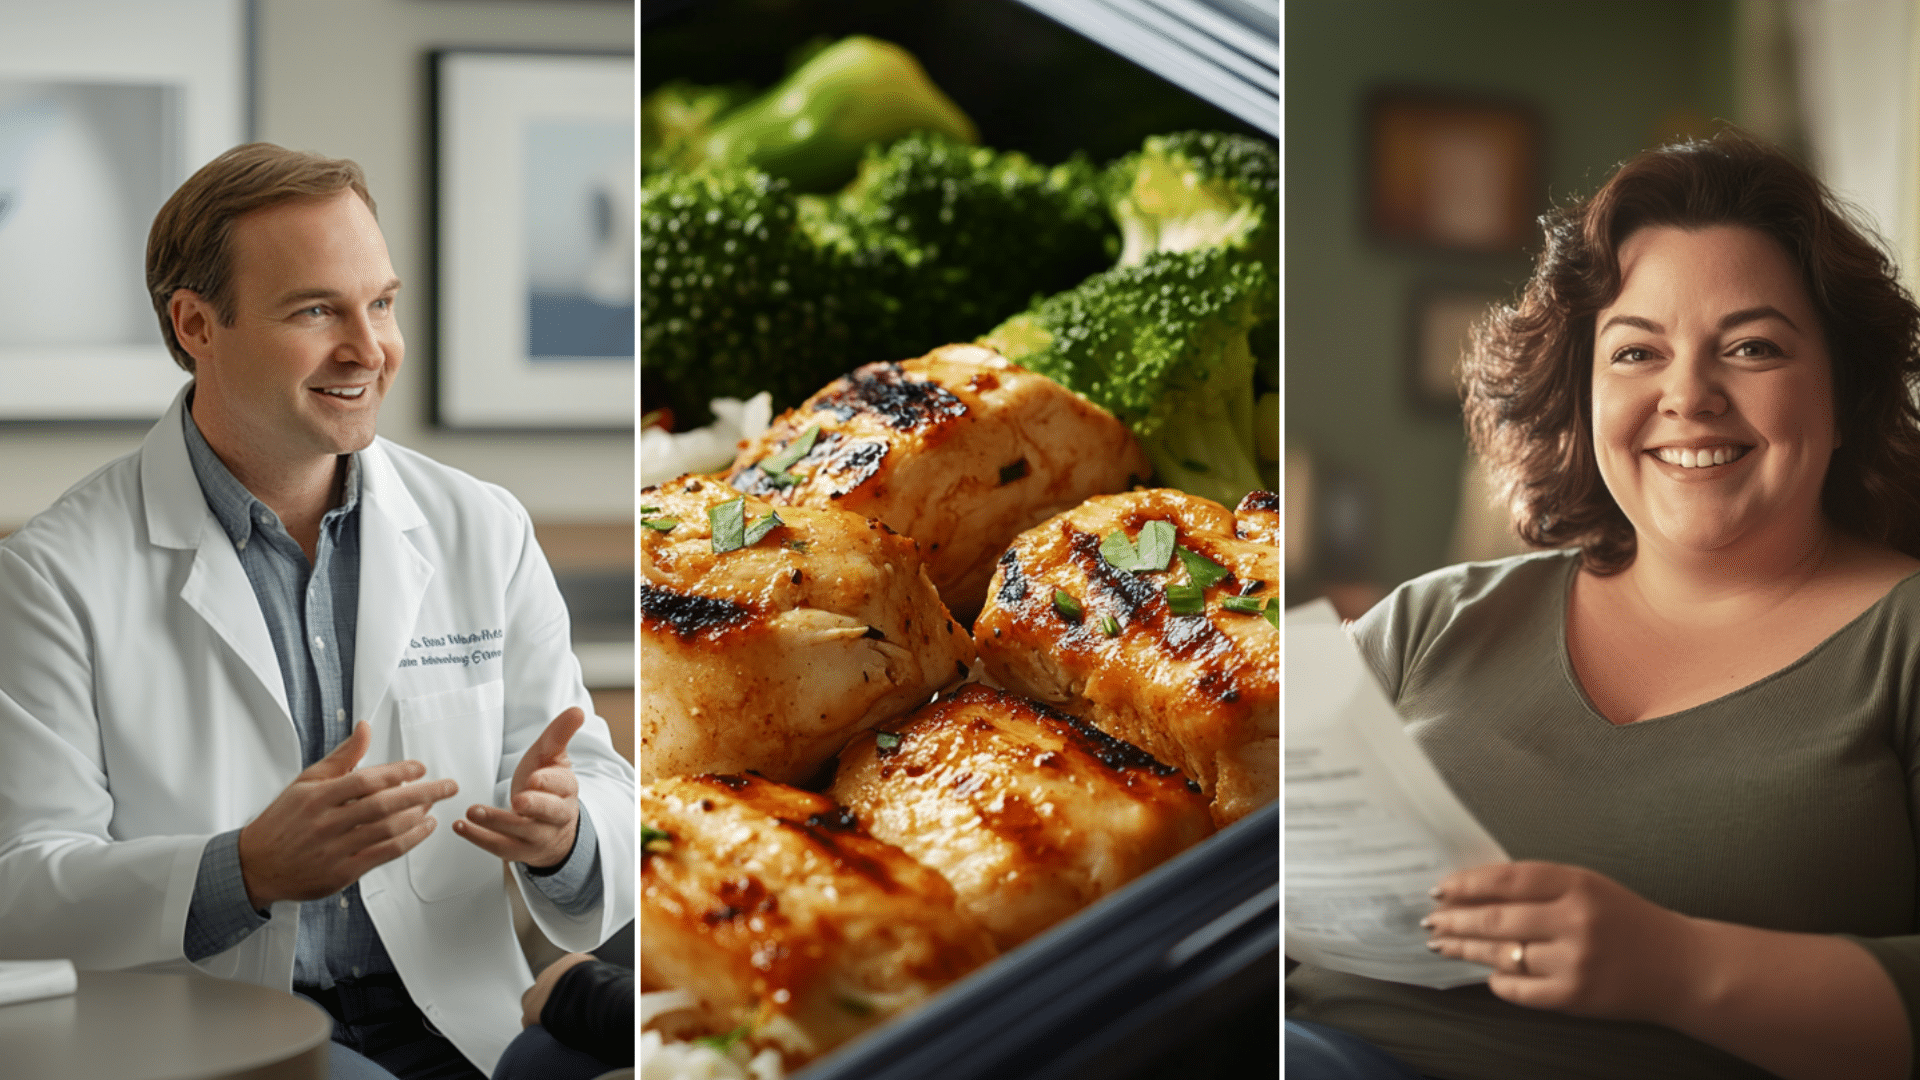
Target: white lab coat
column 142, row 712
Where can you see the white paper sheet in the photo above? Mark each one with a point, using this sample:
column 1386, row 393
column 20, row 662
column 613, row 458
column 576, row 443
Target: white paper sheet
column 30, row 980
column 1370, row 825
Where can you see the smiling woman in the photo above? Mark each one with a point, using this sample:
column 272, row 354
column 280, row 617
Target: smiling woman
column 1712, row 406
column 1693, row 725
column 1526, row 385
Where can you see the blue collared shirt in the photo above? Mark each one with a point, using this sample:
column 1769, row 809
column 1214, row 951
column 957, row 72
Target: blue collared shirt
column 310, row 611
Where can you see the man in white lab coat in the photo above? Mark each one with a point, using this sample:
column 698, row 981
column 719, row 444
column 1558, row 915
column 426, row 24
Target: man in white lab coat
column 276, row 696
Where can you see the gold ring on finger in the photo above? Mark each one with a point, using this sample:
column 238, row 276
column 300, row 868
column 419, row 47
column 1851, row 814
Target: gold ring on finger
column 1518, row 956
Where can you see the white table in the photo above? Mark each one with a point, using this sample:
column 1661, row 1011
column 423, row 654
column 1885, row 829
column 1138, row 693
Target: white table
column 126, row 1026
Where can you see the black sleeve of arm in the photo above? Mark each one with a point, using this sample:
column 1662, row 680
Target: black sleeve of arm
column 591, row 1009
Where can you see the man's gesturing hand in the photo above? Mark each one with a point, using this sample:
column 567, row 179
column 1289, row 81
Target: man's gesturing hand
column 539, row 828
column 335, row 823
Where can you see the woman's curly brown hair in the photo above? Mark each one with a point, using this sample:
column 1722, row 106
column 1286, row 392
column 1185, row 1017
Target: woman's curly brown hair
column 1527, row 378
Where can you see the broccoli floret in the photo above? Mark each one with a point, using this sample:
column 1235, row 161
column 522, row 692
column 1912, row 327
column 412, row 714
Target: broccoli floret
column 813, row 127
column 1205, row 189
column 1162, row 345
column 748, row 287
column 676, row 119
column 736, row 298
column 978, row 231
column 1198, row 189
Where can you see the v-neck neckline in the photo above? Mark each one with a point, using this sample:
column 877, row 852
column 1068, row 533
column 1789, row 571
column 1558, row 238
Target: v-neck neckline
column 1579, row 688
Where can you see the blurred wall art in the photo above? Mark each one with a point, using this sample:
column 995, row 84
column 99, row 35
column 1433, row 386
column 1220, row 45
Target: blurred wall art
column 105, row 108
column 534, row 232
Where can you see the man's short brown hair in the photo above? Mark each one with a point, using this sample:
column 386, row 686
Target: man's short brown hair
column 190, row 245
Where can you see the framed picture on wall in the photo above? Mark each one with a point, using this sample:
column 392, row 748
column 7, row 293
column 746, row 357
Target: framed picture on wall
column 1456, row 173
column 106, row 106
column 1439, row 328
column 534, row 229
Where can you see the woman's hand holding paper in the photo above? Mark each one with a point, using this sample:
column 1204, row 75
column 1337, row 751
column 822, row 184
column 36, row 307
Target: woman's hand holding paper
column 1568, row 939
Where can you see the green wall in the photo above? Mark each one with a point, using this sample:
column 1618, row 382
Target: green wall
column 1606, row 78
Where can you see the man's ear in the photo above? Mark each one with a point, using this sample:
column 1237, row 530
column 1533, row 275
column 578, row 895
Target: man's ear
column 193, row 322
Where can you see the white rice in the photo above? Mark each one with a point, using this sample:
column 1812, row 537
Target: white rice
column 664, row 1060
column 666, row 455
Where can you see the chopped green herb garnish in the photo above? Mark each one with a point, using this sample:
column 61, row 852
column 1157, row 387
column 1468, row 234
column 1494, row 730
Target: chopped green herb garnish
column 663, row 524
column 782, row 479
column 729, row 522
column 1155, row 545
column 794, row 451
column 1067, row 606
column 801, row 546
column 1273, row 612
column 765, row 524
column 1247, row 605
column 1109, row 626
column 886, row 740
column 649, row 509
column 723, row 1043
column 730, row 529
column 1188, row 599
column 1200, row 569
column 650, row 836
column 855, row 1006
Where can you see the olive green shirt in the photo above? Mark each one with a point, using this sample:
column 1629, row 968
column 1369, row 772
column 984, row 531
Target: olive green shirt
column 1787, row 804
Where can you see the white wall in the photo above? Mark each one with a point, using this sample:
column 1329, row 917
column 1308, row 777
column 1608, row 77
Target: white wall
column 348, row 78
column 97, row 41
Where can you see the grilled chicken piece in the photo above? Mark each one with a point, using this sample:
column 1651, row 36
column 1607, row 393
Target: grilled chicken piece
column 1030, row 813
column 1257, row 518
column 959, row 449
column 1201, row 691
column 771, row 656
column 774, row 909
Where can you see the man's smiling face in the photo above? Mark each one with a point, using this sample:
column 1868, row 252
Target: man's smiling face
column 300, row 374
